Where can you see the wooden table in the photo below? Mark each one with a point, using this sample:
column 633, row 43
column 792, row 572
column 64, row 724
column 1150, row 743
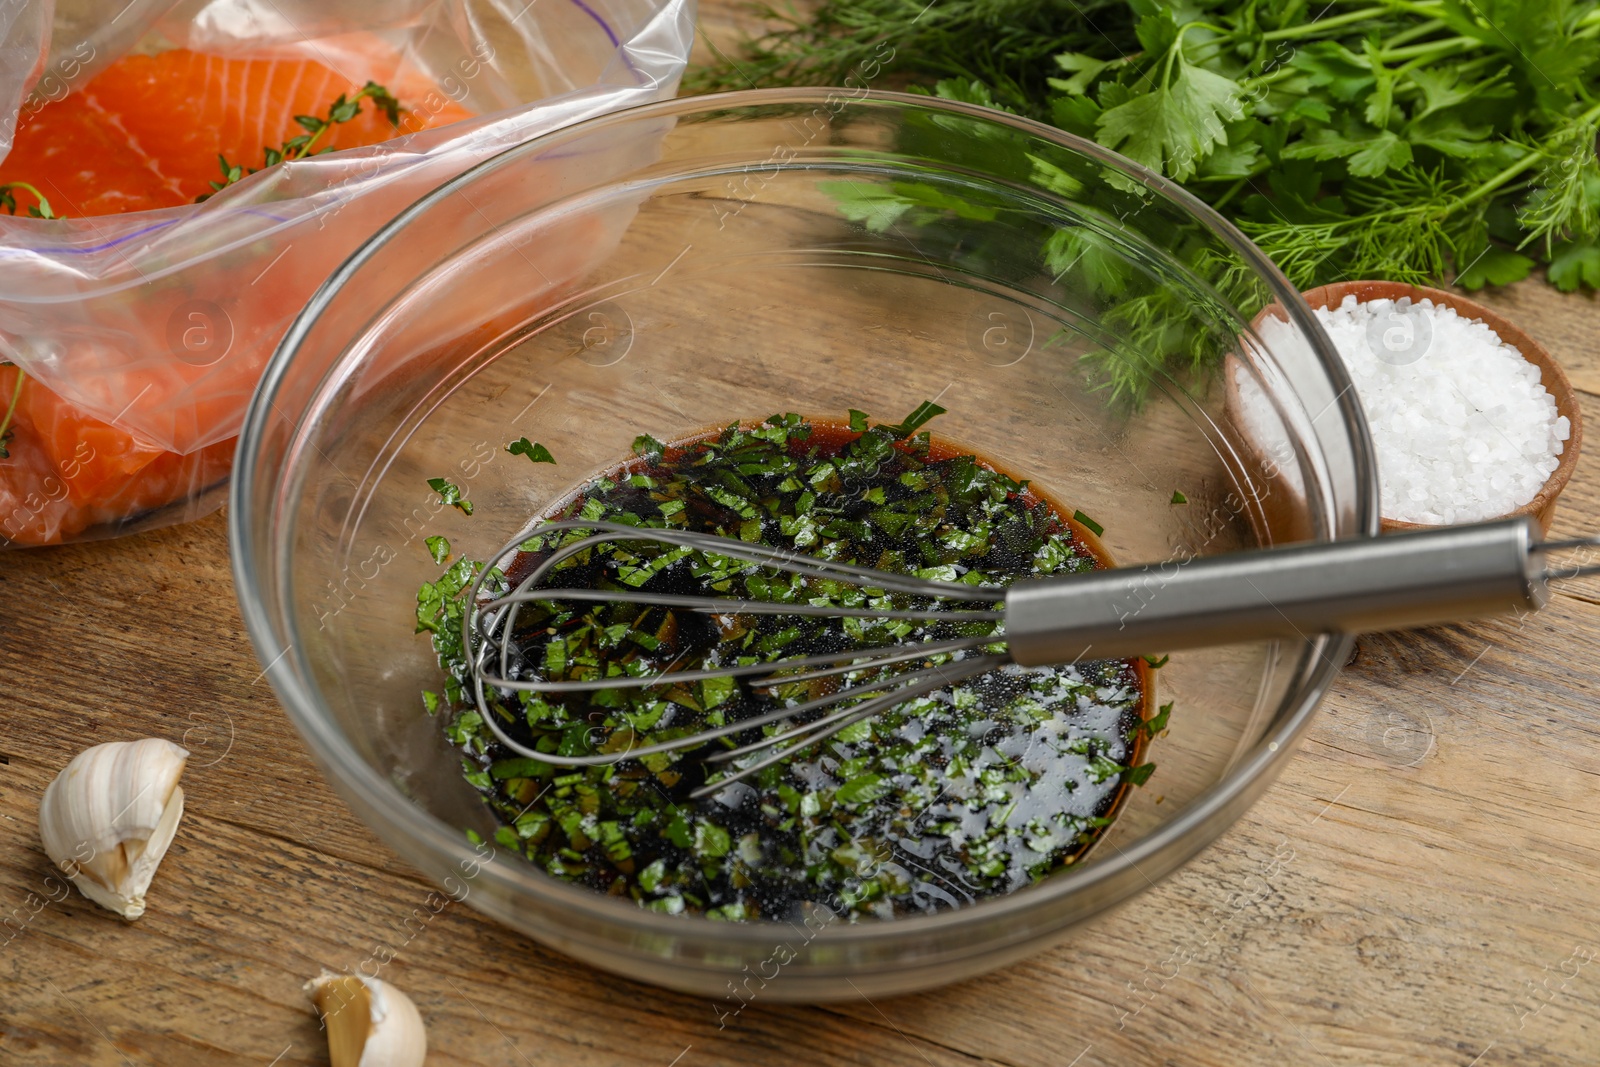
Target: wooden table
column 1418, row 887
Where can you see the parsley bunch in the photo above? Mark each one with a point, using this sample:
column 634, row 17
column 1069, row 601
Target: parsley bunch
column 1413, row 140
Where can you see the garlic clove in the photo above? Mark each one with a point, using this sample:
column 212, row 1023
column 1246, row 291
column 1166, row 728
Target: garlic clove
column 108, row 817
column 370, row 1023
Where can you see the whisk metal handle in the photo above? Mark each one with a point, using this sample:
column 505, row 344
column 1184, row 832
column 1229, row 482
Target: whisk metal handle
column 1386, row 583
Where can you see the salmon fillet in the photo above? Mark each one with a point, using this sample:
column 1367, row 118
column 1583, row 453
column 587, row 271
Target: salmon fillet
column 146, row 132
column 68, row 471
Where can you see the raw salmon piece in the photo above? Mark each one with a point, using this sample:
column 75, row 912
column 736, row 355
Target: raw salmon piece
column 146, row 131
column 68, row 471
column 144, row 134
column 72, row 156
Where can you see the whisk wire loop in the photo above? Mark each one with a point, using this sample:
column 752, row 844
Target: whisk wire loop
column 858, row 659
column 717, row 605
column 1557, row 571
column 787, row 744
column 778, row 558
column 903, row 684
column 494, row 621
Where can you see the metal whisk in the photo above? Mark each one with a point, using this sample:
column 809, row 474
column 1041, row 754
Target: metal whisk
column 1392, row 582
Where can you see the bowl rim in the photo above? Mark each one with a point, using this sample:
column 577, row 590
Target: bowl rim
column 341, row 762
column 1553, row 376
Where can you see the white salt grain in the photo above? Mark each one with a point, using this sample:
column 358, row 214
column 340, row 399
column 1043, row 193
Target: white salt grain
column 1463, row 428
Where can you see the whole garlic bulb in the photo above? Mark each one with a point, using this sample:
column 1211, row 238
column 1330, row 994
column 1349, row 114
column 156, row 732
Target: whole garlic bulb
column 370, row 1023
column 109, row 816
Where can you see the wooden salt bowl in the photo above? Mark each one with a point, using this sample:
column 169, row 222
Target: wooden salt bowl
column 1543, row 505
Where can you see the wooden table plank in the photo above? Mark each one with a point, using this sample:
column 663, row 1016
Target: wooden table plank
column 1416, row 889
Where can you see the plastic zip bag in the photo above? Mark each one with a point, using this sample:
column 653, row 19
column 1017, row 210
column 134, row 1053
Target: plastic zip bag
column 140, row 336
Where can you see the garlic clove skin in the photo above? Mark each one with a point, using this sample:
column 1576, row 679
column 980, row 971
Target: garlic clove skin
column 108, row 817
column 370, row 1023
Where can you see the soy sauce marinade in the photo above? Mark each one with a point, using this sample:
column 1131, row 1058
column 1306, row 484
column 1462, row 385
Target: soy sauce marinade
column 966, row 793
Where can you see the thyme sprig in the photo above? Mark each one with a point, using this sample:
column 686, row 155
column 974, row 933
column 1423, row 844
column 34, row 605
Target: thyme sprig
column 6, row 431
column 342, row 110
column 40, row 209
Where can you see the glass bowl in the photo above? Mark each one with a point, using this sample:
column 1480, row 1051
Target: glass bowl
column 729, row 257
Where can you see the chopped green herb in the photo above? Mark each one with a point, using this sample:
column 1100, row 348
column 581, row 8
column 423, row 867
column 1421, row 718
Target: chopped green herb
column 1093, row 527
column 521, row 767
column 862, row 789
column 926, row 411
column 1158, row 722
column 1179, row 498
column 1139, row 775
column 532, row 449
column 438, row 547
column 711, row 840
column 450, row 493
column 1156, row 664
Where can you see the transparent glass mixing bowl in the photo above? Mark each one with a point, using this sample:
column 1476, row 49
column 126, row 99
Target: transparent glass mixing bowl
column 785, row 250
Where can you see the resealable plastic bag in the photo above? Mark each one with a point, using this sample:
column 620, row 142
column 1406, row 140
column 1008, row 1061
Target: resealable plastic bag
column 144, row 333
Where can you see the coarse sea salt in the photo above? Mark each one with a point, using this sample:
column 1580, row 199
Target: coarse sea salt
column 1463, row 427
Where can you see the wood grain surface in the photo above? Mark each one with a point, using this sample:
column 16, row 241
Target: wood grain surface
column 1418, row 888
